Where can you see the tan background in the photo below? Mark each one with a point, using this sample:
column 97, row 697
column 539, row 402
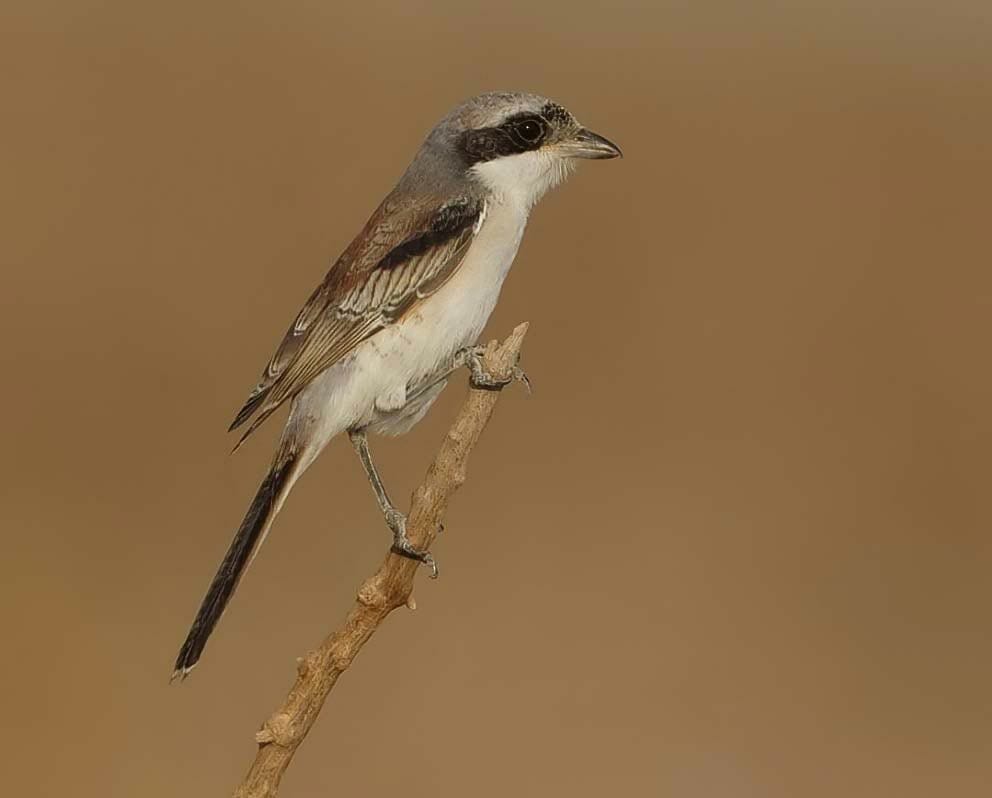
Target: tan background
column 748, row 549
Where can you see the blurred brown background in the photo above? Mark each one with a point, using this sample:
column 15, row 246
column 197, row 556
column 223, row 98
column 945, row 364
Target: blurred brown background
column 748, row 549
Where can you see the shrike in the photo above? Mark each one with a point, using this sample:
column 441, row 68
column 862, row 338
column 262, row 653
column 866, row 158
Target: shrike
column 372, row 347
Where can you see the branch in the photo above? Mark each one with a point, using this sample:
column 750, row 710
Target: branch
column 390, row 587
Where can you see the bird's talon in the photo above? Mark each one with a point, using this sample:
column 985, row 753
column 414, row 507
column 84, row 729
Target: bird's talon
column 484, row 380
column 404, row 548
column 519, row 375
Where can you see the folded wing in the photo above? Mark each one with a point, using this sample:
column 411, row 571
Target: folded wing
column 403, row 255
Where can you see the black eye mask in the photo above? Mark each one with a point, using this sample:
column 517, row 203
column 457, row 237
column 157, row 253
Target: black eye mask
column 520, row 133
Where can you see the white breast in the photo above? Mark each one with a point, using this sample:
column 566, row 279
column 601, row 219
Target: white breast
column 373, row 381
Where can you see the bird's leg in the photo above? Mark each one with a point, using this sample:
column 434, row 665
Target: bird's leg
column 471, row 356
column 395, row 520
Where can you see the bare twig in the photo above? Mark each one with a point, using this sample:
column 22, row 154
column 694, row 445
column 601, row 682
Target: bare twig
column 390, row 587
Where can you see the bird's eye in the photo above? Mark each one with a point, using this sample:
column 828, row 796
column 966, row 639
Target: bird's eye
column 530, row 130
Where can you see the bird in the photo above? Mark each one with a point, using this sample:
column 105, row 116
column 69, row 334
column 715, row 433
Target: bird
column 402, row 308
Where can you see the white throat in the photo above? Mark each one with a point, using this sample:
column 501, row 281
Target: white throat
column 524, row 178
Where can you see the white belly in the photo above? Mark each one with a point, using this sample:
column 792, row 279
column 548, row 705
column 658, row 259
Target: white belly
column 371, row 384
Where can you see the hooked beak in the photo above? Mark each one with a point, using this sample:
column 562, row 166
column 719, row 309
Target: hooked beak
column 586, row 144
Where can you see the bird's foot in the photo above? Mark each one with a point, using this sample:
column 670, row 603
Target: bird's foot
column 402, row 545
column 471, row 356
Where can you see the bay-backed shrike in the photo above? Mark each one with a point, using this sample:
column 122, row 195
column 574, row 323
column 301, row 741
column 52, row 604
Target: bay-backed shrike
column 402, row 307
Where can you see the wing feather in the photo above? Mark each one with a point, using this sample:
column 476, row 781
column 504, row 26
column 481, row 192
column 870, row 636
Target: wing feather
column 401, row 257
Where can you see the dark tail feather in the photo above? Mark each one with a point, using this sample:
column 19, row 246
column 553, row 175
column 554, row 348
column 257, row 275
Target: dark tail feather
column 250, row 534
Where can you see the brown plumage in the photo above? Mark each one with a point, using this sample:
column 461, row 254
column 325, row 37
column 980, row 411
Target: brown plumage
column 402, row 256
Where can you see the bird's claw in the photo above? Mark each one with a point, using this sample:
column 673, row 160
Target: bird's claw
column 519, row 375
column 402, row 545
column 484, row 380
column 411, row 553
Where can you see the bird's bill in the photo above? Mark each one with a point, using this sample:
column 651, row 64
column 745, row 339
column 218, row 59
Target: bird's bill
column 586, row 144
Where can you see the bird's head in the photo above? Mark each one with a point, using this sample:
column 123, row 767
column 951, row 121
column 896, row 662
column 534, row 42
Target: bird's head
column 517, row 145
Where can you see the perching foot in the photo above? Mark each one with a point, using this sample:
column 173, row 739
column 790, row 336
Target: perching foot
column 471, row 356
column 402, row 545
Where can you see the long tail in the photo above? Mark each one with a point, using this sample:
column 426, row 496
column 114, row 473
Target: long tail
column 255, row 526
